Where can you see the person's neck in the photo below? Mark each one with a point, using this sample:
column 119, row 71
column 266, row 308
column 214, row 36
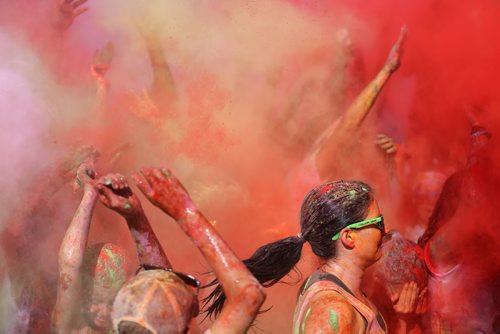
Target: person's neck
column 348, row 272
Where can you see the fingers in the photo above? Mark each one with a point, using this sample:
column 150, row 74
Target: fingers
column 403, row 296
column 105, row 194
column 407, row 298
column 386, row 144
column 143, row 184
column 78, row 3
column 156, row 175
column 166, row 172
column 402, row 36
column 412, row 297
column 115, row 181
column 391, row 149
column 384, row 141
column 73, row 8
column 80, row 11
column 404, row 31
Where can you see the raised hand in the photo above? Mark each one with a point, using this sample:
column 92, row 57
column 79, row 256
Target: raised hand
column 164, row 190
column 68, row 10
column 85, row 175
column 115, row 194
column 80, row 166
column 394, row 59
column 101, row 60
column 386, row 144
column 405, row 302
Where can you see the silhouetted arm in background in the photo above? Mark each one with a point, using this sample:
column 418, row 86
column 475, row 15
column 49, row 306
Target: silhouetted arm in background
column 163, row 86
column 353, row 118
column 101, row 63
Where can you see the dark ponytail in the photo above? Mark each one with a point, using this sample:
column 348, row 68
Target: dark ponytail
column 268, row 264
column 326, row 210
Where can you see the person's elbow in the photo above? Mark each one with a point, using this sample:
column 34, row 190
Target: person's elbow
column 249, row 296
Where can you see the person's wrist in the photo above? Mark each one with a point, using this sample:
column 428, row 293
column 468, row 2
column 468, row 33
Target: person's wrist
column 133, row 215
column 90, row 191
column 389, row 67
column 187, row 213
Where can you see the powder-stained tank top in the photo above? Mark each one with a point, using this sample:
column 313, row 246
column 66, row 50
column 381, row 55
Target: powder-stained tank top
column 320, row 282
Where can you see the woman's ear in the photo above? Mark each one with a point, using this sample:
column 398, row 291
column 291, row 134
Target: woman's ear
column 347, row 237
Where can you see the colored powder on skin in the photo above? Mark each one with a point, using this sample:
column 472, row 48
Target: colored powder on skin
column 435, row 50
column 334, row 320
column 127, row 206
column 110, row 269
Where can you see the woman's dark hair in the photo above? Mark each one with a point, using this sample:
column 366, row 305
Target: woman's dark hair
column 326, row 210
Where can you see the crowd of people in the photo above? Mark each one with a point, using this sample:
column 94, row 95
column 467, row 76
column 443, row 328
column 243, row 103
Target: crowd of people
column 424, row 277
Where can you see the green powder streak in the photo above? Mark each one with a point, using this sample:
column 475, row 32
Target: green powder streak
column 334, row 320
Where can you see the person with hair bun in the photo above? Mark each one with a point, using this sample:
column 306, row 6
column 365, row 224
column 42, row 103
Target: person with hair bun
column 342, row 222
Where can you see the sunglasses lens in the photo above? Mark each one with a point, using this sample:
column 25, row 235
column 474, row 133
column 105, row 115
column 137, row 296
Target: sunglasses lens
column 189, row 280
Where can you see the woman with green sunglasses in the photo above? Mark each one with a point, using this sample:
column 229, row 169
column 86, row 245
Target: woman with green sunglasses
column 342, row 222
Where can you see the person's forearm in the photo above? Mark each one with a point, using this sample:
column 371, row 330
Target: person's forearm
column 163, row 82
column 70, row 263
column 148, row 247
column 75, row 239
column 244, row 294
column 337, row 144
column 359, row 109
column 215, row 250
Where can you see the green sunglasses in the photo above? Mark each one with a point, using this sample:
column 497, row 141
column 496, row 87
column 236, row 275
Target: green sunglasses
column 378, row 222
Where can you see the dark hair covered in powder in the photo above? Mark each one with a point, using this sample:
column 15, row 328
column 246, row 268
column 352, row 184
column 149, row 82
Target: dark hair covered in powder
column 326, row 210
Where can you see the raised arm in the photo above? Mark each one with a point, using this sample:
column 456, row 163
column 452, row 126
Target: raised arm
column 163, row 83
column 115, row 193
column 358, row 110
column 71, row 253
column 66, row 13
column 62, row 17
column 243, row 292
column 101, row 62
column 361, row 106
